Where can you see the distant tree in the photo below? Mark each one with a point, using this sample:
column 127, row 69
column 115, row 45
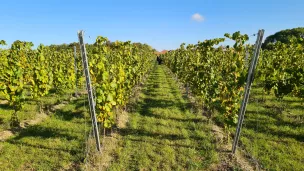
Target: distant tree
column 109, row 43
column 284, row 36
column 65, row 46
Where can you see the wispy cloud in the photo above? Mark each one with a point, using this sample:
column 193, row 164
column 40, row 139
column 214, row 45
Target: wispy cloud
column 197, row 17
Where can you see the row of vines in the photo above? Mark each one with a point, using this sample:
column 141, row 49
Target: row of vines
column 115, row 70
column 217, row 75
column 27, row 73
column 30, row 74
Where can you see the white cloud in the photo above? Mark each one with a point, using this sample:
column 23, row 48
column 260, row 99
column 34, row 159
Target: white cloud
column 197, row 17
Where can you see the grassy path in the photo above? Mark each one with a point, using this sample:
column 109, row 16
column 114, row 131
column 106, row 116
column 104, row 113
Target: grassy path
column 163, row 133
column 54, row 144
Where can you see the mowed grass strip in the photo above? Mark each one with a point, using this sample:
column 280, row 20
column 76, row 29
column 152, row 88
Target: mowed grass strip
column 273, row 131
column 30, row 109
column 163, row 133
column 57, row 143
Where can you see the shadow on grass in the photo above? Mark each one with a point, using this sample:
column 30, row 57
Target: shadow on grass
column 43, row 132
column 298, row 107
column 69, row 115
column 276, row 132
column 195, row 120
column 161, row 143
column 142, row 133
column 265, row 126
column 152, row 103
column 278, row 117
column 46, row 132
column 6, row 107
column 72, row 151
column 80, row 103
column 283, row 100
column 162, row 103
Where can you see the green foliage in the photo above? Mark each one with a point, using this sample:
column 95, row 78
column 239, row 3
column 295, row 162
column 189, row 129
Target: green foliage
column 33, row 72
column 284, row 36
column 65, row 47
column 216, row 75
column 13, row 76
column 115, row 69
column 2, row 42
column 282, row 69
column 80, row 79
column 62, row 67
column 40, row 82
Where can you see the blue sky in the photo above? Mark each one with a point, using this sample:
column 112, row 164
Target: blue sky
column 159, row 23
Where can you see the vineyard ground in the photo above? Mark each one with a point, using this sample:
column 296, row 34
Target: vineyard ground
column 163, row 132
column 31, row 110
column 273, row 131
column 57, row 143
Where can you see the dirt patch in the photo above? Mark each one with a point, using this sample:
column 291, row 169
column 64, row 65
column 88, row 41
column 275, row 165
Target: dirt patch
column 39, row 118
column 108, row 149
column 122, row 118
column 228, row 161
column 57, row 107
column 101, row 160
column 4, row 135
column 3, row 102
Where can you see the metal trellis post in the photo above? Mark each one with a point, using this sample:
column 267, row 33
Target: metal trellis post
column 247, row 88
column 89, row 88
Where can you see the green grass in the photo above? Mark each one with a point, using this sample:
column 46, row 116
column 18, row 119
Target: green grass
column 163, row 133
column 55, row 144
column 30, row 109
column 273, row 131
column 29, row 112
